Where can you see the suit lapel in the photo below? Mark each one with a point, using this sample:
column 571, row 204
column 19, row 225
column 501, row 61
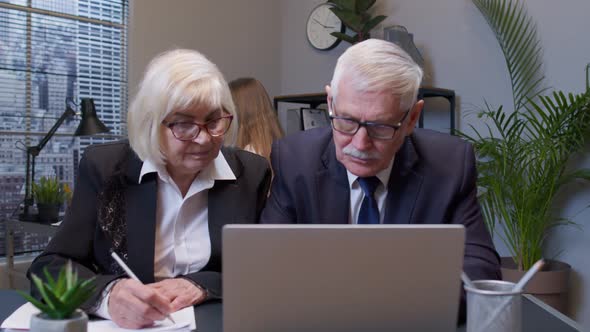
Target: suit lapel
column 333, row 192
column 141, row 200
column 404, row 186
column 218, row 198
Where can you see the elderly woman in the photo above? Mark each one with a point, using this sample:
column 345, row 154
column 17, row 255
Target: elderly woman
column 161, row 199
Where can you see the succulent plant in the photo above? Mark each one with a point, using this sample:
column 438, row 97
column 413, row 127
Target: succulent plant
column 61, row 296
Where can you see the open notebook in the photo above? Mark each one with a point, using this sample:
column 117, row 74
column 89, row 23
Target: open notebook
column 185, row 320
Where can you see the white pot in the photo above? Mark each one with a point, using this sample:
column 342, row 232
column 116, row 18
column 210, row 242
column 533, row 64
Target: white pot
column 78, row 323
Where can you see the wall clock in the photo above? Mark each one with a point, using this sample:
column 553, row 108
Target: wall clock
column 320, row 24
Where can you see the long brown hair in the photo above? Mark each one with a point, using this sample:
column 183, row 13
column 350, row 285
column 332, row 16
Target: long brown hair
column 258, row 123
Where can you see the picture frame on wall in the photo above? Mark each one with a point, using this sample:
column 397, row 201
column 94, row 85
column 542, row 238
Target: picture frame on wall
column 314, row 118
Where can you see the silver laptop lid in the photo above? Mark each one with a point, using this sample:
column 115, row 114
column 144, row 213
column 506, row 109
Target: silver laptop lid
column 341, row 277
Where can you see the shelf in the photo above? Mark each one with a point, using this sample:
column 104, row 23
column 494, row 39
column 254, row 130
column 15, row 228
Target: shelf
column 315, row 99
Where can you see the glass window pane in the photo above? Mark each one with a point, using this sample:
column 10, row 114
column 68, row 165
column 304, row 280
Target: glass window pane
column 44, row 60
column 13, row 40
column 105, row 10
column 16, row 2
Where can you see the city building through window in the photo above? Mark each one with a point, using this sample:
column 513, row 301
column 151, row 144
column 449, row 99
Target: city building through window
column 51, row 50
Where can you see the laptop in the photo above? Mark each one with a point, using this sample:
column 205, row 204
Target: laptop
column 343, row 278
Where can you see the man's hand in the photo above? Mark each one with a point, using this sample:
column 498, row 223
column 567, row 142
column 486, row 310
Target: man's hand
column 181, row 292
column 133, row 305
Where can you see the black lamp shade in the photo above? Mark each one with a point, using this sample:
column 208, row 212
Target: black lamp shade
column 89, row 124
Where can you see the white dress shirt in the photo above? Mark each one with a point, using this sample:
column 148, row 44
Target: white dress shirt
column 182, row 238
column 357, row 195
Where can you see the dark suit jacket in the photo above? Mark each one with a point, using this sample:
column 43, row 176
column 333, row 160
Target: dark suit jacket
column 432, row 181
column 111, row 210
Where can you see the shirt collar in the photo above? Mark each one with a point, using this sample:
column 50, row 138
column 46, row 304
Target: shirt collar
column 218, row 170
column 383, row 175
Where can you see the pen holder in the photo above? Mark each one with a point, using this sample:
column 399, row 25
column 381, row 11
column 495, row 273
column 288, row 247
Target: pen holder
column 493, row 306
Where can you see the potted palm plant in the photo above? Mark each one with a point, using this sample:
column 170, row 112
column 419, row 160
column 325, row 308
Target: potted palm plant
column 524, row 153
column 49, row 195
column 61, row 299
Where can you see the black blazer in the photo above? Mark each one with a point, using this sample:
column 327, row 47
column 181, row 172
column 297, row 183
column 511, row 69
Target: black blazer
column 112, row 211
column 432, row 181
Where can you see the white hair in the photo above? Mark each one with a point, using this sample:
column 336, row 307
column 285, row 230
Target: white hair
column 377, row 65
column 176, row 79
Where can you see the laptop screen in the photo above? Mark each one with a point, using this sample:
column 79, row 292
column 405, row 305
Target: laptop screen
column 341, row 277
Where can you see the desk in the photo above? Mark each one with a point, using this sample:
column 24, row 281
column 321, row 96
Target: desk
column 538, row 317
column 27, row 227
column 208, row 316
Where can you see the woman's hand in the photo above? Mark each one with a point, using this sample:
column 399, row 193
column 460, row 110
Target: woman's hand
column 181, row 292
column 134, row 305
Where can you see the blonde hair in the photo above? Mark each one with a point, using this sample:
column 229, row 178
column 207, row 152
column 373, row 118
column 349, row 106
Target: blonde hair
column 259, row 125
column 176, row 79
column 378, row 65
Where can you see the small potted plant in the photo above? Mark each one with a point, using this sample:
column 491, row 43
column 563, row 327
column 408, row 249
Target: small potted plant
column 356, row 17
column 61, row 299
column 49, row 195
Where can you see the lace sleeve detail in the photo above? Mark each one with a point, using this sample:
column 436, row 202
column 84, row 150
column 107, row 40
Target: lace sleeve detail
column 111, row 208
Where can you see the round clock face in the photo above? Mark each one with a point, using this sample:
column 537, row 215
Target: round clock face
column 320, row 24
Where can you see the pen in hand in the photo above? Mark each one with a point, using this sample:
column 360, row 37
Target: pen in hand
column 131, row 275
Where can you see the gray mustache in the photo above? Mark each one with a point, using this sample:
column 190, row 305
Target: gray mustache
column 353, row 152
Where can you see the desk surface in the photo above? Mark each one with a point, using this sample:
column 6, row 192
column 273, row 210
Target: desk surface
column 13, row 226
column 538, row 317
column 208, row 316
column 31, row 227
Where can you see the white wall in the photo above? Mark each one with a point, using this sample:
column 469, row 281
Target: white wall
column 462, row 54
column 303, row 68
column 240, row 37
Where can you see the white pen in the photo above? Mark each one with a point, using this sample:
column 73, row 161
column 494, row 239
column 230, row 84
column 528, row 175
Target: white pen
column 131, row 274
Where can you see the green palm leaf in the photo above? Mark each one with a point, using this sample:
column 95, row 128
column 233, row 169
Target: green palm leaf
column 523, row 154
column 517, row 35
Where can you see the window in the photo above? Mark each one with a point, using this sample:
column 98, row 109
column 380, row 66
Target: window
column 51, row 50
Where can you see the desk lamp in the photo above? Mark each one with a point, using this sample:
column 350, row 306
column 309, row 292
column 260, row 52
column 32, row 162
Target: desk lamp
column 89, row 125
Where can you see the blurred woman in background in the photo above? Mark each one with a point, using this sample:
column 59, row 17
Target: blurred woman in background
column 258, row 123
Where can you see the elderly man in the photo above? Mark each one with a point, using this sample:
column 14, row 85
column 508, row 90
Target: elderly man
column 373, row 167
